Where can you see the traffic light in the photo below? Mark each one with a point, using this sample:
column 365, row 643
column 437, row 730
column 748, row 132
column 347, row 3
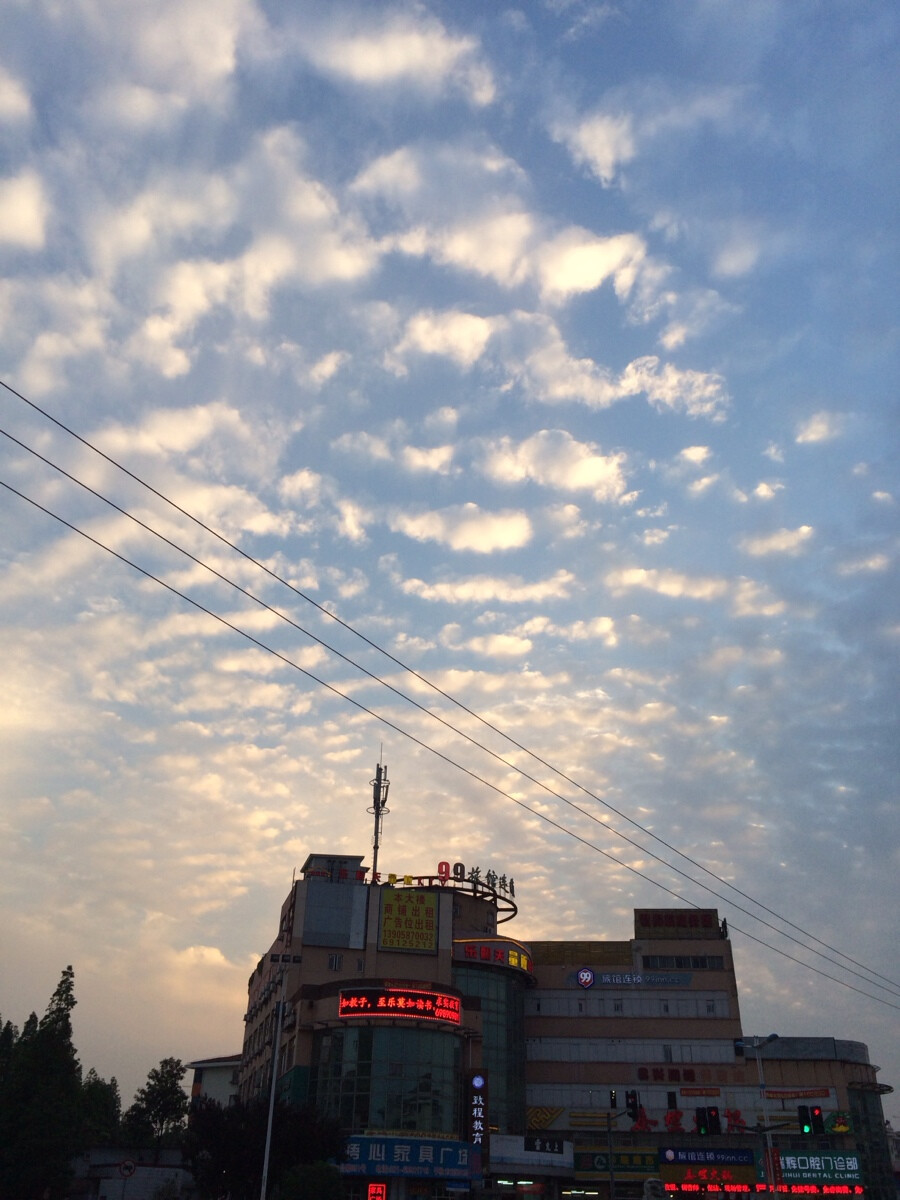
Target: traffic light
column 701, row 1121
column 712, row 1120
column 817, row 1121
column 612, row 1097
column 804, row 1120
column 632, row 1105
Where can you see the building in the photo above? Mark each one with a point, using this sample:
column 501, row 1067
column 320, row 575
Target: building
column 458, row 1058
column 216, row 1078
column 635, row 1053
column 383, row 1001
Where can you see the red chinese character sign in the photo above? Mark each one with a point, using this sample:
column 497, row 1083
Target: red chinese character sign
column 398, row 1002
column 376, row 1191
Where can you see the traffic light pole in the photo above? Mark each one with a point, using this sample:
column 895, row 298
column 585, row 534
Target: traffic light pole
column 611, row 1116
column 766, row 1130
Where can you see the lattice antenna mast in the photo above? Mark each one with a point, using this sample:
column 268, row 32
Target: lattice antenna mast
column 380, row 785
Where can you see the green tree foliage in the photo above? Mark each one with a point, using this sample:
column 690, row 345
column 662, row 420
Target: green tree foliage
column 225, row 1147
column 160, row 1106
column 313, row 1181
column 101, row 1111
column 40, row 1100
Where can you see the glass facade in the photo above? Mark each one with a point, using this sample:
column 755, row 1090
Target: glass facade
column 503, row 1028
column 388, row 1079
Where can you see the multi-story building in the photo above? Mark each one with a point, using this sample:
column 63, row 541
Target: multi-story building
column 458, row 1058
column 635, row 1052
column 394, row 995
column 216, row 1078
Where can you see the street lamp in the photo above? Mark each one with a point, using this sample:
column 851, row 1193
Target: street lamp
column 610, row 1117
column 276, row 1049
column 766, row 1127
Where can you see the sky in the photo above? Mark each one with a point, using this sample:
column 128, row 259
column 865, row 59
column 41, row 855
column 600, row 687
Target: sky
column 521, row 382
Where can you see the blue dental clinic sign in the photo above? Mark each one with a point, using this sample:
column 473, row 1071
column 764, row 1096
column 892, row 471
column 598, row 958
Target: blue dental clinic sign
column 422, row 1158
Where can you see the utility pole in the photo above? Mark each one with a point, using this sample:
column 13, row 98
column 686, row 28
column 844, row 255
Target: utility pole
column 380, row 785
column 276, row 1048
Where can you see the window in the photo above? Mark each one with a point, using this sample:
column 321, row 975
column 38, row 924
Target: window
column 671, row 1100
column 667, row 1054
column 683, row 962
column 664, row 1007
column 618, row 1007
column 335, row 962
column 710, row 1008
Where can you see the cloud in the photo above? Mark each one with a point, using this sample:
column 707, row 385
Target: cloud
column 600, row 141
column 163, row 432
column 170, row 54
column 602, row 629
column 459, row 336
column 438, row 459
column 327, row 367
column 396, row 449
column 876, row 561
column 767, row 489
column 781, row 541
column 299, row 237
column 536, row 354
column 15, row 105
column 739, row 254
column 820, row 427
column 401, row 50
column 698, row 486
column 396, row 175
column 495, row 645
column 176, row 206
column 488, row 589
column 493, row 244
column 553, row 458
column 752, row 599
column 631, row 118
column 466, row 527
column 576, row 261
column 697, row 393
column 667, row 583
column 23, row 210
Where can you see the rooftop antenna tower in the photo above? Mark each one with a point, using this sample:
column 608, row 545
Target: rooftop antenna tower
column 380, row 785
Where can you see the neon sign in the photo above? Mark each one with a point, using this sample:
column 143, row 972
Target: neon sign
column 785, row 1189
column 398, row 1002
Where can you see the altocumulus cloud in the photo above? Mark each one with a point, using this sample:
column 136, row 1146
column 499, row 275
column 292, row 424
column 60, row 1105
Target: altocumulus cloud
column 466, row 527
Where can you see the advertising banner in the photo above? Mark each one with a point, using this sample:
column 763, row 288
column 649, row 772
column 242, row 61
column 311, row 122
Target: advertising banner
column 408, row 920
column 631, row 1162
column 424, row 1158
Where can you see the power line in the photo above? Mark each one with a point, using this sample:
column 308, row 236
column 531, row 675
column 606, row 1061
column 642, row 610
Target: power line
column 463, row 707
column 416, row 740
column 435, row 716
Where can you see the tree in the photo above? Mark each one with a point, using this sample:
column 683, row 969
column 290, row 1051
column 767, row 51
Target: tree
column 101, row 1110
column 161, row 1104
column 310, row 1181
column 225, row 1146
column 40, row 1100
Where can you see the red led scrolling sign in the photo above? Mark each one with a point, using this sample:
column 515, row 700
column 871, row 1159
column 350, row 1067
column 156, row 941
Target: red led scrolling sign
column 783, row 1189
column 398, row 1002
